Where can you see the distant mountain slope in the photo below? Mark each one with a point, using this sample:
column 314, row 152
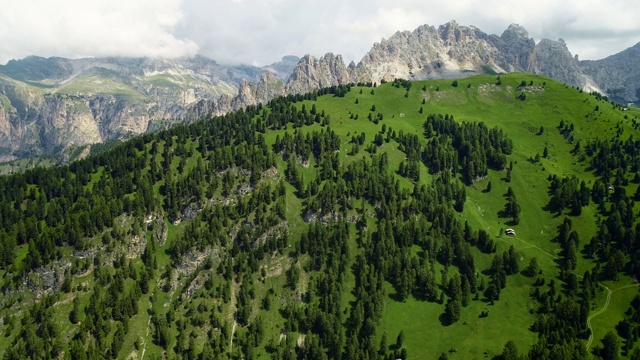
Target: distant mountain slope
column 449, row 51
column 48, row 106
column 618, row 75
column 284, row 67
column 452, row 50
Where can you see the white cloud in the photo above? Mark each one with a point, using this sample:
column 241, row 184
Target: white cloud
column 262, row 31
column 77, row 28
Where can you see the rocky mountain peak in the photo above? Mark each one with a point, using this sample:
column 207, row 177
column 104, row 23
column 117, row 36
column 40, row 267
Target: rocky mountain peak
column 517, row 47
column 515, row 31
column 454, row 50
column 451, row 31
column 618, row 75
column 552, row 58
column 312, row 73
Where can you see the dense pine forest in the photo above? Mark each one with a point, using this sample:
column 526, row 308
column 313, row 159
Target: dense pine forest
column 484, row 218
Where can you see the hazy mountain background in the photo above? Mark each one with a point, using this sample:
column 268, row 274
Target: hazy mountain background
column 51, row 106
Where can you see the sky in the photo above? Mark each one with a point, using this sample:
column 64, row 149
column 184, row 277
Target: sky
column 260, row 32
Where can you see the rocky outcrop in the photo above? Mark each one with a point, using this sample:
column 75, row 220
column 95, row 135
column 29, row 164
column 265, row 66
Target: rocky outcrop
column 267, row 88
column 453, row 50
column 308, row 75
column 283, row 68
column 553, row 59
column 72, row 120
column 617, row 75
column 428, row 52
column 517, row 47
column 311, row 74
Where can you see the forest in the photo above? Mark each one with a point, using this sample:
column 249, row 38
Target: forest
column 319, row 226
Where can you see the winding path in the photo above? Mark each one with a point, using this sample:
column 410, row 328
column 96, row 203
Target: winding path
column 146, row 337
column 232, row 311
column 233, row 332
column 536, row 247
column 606, row 304
column 604, row 308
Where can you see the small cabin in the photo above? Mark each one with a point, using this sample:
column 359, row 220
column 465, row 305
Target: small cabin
column 510, row 232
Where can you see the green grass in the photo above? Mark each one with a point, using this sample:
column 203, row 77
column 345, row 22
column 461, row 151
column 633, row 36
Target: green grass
column 426, row 337
column 107, row 82
column 520, row 120
column 475, row 99
column 618, row 305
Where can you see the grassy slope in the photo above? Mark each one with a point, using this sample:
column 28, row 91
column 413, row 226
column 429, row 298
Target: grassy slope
column 509, row 318
column 495, row 105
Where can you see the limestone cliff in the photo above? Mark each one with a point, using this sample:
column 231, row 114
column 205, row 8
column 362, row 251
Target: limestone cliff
column 553, row 59
column 47, row 105
column 266, row 89
column 452, row 50
column 517, row 47
column 618, row 75
column 312, row 73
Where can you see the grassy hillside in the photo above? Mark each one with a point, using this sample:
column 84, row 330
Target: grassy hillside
column 547, row 103
column 354, row 222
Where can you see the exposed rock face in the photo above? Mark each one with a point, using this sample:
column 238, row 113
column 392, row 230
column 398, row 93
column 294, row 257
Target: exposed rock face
column 452, row 50
column 73, row 121
column 617, row 75
column 266, row 89
column 47, row 105
column 553, row 59
column 308, row 75
column 312, row 73
column 448, row 51
column 283, row 68
column 517, row 47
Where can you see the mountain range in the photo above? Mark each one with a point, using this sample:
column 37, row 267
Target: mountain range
column 49, row 106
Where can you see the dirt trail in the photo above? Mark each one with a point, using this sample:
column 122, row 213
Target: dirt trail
column 233, row 331
column 604, row 308
column 235, row 287
column 609, row 293
column 146, row 337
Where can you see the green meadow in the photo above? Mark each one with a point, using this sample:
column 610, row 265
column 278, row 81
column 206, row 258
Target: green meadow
column 239, row 300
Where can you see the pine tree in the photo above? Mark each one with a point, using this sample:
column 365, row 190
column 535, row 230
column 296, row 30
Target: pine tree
column 400, row 340
column 611, row 346
column 74, row 315
column 510, row 351
column 452, row 311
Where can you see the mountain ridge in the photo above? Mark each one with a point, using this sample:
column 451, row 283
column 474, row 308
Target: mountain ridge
column 111, row 98
column 617, row 74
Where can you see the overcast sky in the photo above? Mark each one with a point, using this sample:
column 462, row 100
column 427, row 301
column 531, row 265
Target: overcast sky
column 260, row 32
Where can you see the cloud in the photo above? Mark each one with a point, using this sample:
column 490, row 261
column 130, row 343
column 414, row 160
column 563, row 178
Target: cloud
column 77, row 28
column 262, row 31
